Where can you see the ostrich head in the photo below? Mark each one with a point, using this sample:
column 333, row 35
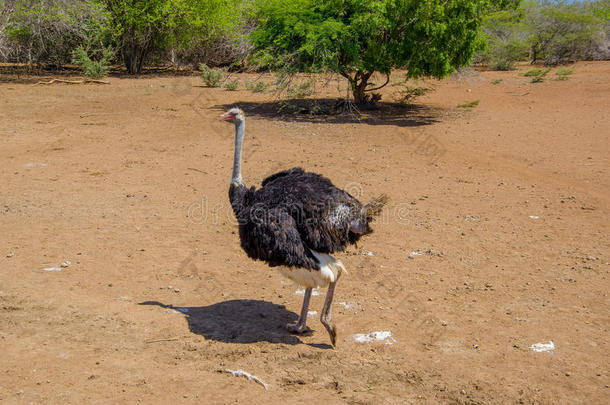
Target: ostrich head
column 234, row 114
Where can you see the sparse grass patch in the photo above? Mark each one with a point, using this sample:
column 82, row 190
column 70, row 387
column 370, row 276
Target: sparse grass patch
column 232, row 85
column 537, row 75
column 307, row 106
column 497, row 81
column 301, row 90
column 472, row 104
column 256, row 86
column 286, row 107
column 211, row 77
column 410, row 93
column 563, row 74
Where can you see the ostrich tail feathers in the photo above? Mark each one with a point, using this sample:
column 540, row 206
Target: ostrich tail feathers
column 374, row 207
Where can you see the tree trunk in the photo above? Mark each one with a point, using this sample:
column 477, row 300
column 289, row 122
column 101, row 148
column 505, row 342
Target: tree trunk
column 358, row 85
column 358, row 92
column 129, row 58
column 533, row 54
column 133, row 56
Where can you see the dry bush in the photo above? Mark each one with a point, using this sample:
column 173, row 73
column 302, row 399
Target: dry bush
column 36, row 31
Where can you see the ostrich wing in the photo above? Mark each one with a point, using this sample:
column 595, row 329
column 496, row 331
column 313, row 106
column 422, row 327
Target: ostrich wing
column 272, row 235
column 322, row 212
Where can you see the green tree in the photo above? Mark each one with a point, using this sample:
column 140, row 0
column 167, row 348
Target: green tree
column 215, row 35
column 504, row 39
column 356, row 38
column 557, row 32
column 600, row 8
column 143, row 26
column 139, row 26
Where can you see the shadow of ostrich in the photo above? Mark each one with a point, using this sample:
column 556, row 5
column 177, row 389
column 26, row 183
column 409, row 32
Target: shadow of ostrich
column 240, row 321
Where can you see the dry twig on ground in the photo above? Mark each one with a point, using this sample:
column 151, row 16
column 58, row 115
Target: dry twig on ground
column 84, row 81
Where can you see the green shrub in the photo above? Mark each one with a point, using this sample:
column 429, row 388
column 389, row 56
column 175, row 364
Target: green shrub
column 95, row 69
column 503, row 55
column 502, row 64
column 211, row 77
column 232, row 85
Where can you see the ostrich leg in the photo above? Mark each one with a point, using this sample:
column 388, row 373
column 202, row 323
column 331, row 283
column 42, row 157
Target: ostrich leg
column 300, row 325
column 325, row 315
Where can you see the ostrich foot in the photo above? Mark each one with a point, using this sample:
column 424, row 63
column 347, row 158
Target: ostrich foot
column 297, row 327
column 300, row 326
column 325, row 317
column 332, row 332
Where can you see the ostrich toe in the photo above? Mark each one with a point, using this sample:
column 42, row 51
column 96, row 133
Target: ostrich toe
column 297, row 327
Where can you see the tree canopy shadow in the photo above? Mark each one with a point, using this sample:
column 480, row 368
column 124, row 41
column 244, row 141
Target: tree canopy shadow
column 327, row 111
column 238, row 321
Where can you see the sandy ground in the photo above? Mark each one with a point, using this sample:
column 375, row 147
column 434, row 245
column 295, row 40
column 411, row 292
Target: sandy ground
column 495, row 239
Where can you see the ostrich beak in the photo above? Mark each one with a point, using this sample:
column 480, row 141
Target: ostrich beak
column 226, row 117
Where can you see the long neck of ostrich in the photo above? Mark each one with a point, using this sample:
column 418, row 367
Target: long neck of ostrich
column 240, row 128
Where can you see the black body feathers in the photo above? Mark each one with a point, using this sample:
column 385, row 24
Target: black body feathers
column 295, row 212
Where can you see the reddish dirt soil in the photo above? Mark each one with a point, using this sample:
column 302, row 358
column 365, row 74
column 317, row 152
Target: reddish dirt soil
column 507, row 202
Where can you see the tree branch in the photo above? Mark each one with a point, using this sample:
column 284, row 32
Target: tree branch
column 387, row 80
column 346, row 75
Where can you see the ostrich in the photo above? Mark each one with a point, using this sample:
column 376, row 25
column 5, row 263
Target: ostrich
column 294, row 221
